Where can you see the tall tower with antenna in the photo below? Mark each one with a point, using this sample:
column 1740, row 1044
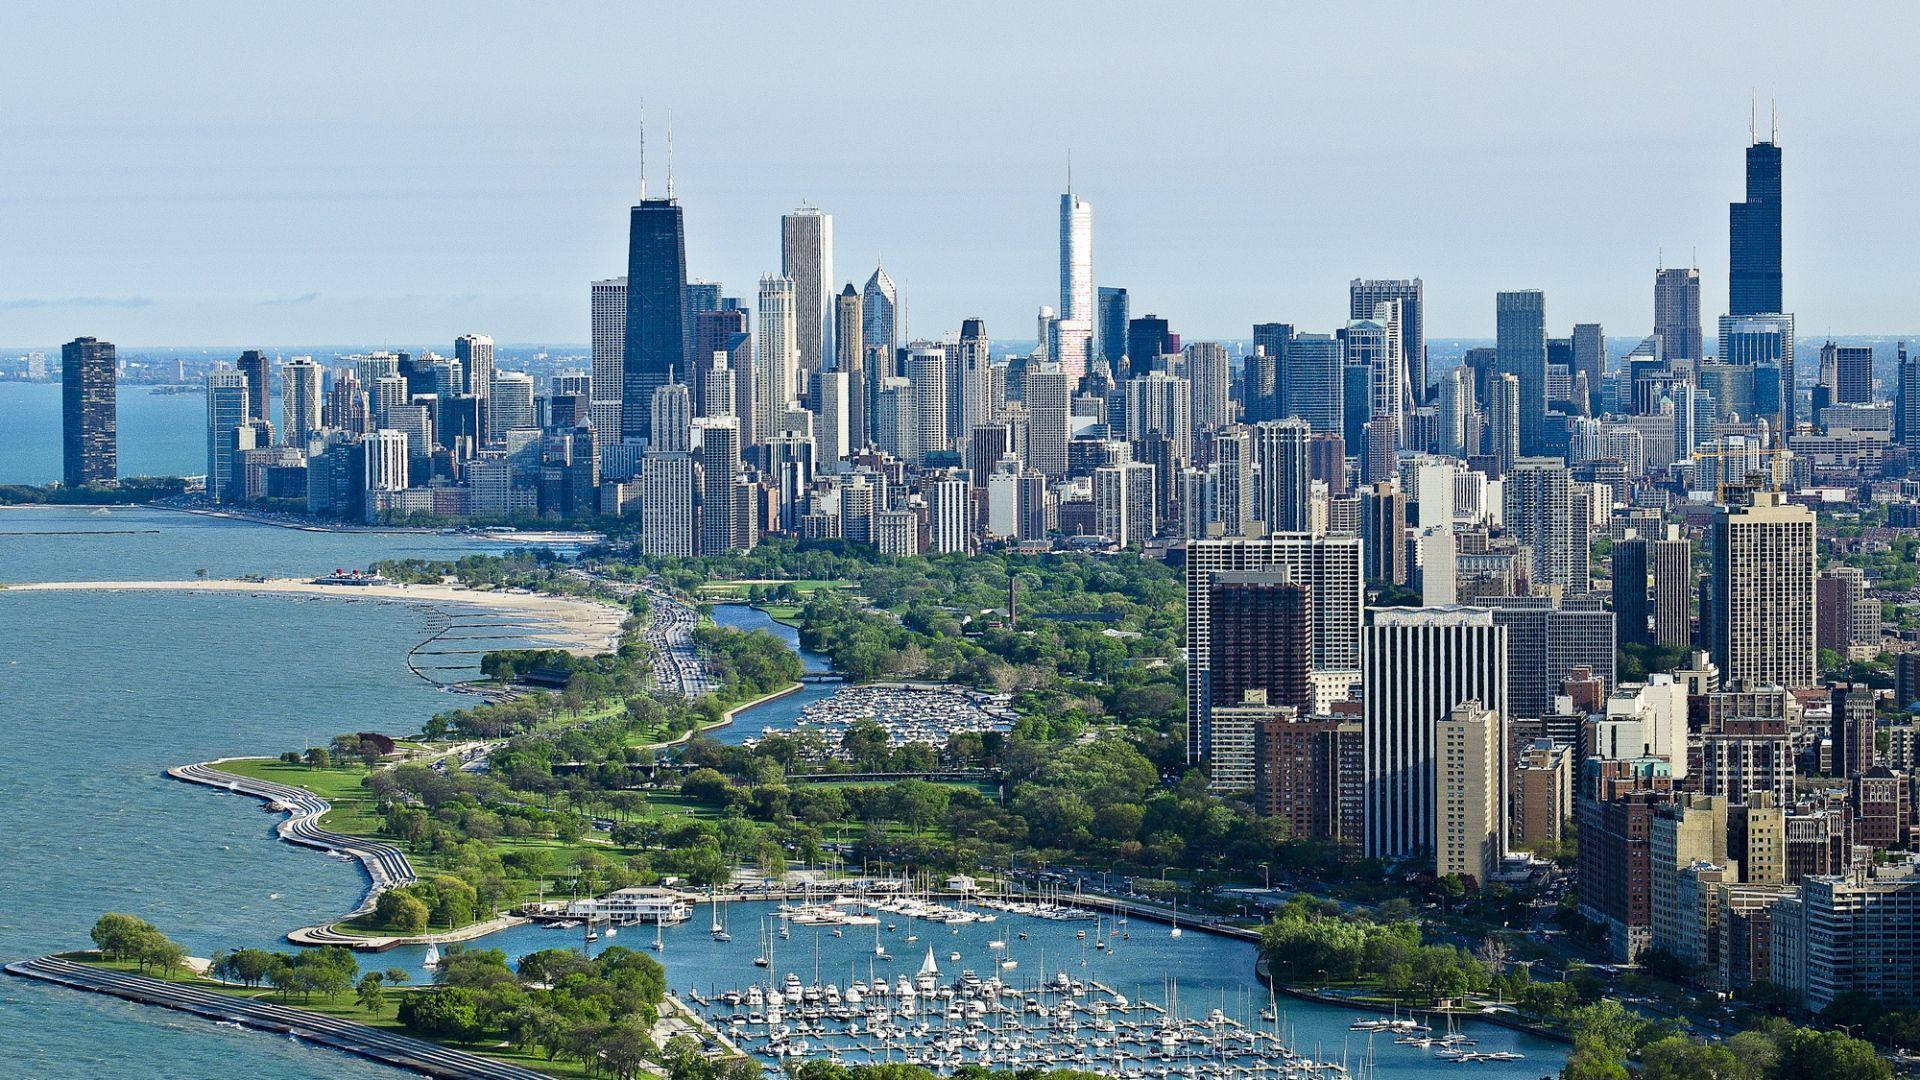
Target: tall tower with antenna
column 656, row 332
column 1753, row 271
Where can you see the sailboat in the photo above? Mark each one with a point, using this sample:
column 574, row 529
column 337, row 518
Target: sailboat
column 879, row 950
column 659, row 936
column 720, row 925
column 1175, row 932
column 432, row 960
column 763, row 960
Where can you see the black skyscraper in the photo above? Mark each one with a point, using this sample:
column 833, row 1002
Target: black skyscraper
column 255, row 366
column 656, row 310
column 1753, row 278
column 89, row 411
column 1146, row 341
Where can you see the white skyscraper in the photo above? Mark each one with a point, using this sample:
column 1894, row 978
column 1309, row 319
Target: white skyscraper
column 947, row 506
column 509, row 405
column 776, row 355
column 806, row 256
column 300, row 400
column 1048, row 396
column 1074, row 329
column 386, row 460
column 672, row 415
column 927, row 366
column 666, row 502
column 475, row 353
column 608, row 305
column 1420, row 665
column 1212, row 382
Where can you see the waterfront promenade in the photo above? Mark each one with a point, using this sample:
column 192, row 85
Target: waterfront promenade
column 318, row 1028
column 386, row 865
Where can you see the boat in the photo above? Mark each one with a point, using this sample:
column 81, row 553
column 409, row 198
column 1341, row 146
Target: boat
column 1175, row 932
column 432, row 960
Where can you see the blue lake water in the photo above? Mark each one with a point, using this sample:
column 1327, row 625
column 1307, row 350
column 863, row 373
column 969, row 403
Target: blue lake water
column 160, row 434
column 100, row 692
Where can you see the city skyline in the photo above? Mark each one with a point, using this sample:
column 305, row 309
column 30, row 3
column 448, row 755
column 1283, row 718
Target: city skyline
column 1215, row 246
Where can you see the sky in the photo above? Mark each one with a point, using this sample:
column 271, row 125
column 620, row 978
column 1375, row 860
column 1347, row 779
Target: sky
column 236, row 174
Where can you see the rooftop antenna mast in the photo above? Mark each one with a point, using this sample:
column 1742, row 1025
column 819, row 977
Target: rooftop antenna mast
column 1069, row 170
column 669, row 155
column 1773, row 108
column 1753, row 118
column 643, row 149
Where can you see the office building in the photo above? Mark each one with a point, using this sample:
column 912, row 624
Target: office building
column 258, row 369
column 607, row 316
column 510, row 405
column 89, row 412
column 1676, row 313
column 1110, row 326
column 776, row 357
column 1327, row 567
column 656, row 331
column 806, row 259
column 1419, row 665
column 1590, row 358
column 1520, row 350
column 1753, row 236
column 928, row 371
column 1148, row 340
column 879, row 310
column 1312, row 381
column 300, row 401
column 228, row 400
column 1364, row 297
column 1846, row 373
column 1049, row 394
column 1761, row 632
column 1629, row 574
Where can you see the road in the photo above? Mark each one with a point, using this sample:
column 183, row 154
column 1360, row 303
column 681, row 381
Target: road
column 320, row 1029
column 677, row 668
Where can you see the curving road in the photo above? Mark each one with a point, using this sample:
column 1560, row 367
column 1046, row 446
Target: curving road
column 368, row 1042
column 386, row 865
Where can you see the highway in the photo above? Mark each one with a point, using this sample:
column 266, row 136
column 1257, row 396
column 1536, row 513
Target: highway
column 368, row 1042
column 386, row 865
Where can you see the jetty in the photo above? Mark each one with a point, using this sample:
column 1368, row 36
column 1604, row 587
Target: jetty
column 372, row 1043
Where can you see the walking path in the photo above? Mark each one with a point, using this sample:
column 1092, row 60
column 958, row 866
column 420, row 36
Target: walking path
column 367, row 1042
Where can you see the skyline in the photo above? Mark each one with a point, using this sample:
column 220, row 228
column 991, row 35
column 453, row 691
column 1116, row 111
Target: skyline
column 474, row 202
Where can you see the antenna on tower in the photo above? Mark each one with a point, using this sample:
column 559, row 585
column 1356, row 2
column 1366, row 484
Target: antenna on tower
column 669, row 155
column 1069, row 170
column 1753, row 117
column 1773, row 133
column 643, row 149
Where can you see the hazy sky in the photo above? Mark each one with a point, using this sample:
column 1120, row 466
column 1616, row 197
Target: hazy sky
column 358, row 173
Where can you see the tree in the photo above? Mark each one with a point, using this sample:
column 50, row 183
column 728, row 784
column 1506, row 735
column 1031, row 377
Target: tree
column 1680, row 1058
column 1593, row 1064
column 399, row 909
column 118, row 935
column 445, row 1012
column 371, row 993
column 623, row 1049
column 1829, row 1055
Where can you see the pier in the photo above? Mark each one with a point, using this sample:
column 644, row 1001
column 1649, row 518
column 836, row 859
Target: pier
column 372, row 1043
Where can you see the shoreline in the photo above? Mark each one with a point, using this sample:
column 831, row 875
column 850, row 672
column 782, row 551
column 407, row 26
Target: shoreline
column 579, row 625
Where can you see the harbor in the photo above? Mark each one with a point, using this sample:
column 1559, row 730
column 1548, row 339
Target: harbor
column 910, row 713
column 880, row 974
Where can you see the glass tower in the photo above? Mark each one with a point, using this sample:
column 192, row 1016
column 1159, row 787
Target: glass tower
column 656, row 316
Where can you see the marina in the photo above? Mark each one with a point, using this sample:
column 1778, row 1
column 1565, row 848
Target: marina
column 935, row 981
column 926, row 714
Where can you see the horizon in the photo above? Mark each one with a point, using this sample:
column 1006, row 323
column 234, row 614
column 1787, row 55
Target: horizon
column 267, row 197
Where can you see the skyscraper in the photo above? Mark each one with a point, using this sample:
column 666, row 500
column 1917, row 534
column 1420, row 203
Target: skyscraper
column 776, row 356
column 850, row 358
column 1327, row 566
column 1672, row 560
column 259, row 372
column 1420, row 665
column 1280, row 449
column 1547, row 510
column 1110, row 326
column 1590, row 358
column 89, row 412
column 1469, row 781
column 1676, row 312
column 1259, row 638
column 656, row 337
column 1503, row 420
column 1846, row 371
column 1364, row 297
column 927, row 367
column 806, row 256
column 1049, row 393
column 879, row 306
column 475, row 353
column 1753, row 236
column 1906, row 405
column 1762, row 629
column 1313, row 381
column 1075, row 327
column 1520, row 350
column 1207, row 368
column 300, row 401
column 607, row 313
column 228, row 400
column 1629, row 573
column 1147, row 340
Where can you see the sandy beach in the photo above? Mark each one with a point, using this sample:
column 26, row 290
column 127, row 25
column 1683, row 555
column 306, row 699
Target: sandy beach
column 580, row 626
